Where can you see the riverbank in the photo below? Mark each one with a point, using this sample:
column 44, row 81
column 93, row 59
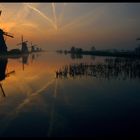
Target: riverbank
column 131, row 54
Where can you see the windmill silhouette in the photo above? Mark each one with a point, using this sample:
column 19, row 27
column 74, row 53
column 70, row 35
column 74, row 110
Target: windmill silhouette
column 33, row 47
column 3, row 47
column 24, row 47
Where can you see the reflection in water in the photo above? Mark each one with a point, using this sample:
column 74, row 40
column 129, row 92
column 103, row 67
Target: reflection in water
column 34, row 56
column 3, row 64
column 110, row 68
column 3, row 67
column 76, row 56
column 24, row 60
column 56, row 107
column 92, row 57
column 3, row 74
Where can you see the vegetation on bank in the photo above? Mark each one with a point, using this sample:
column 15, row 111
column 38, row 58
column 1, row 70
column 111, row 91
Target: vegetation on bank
column 93, row 51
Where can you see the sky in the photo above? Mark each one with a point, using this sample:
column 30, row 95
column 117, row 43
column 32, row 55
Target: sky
column 54, row 26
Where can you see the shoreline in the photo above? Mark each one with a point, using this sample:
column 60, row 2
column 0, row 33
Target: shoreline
column 104, row 53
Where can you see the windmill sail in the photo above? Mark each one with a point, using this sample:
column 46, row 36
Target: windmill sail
column 2, row 90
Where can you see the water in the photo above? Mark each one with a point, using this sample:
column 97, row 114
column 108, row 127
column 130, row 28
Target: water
column 100, row 102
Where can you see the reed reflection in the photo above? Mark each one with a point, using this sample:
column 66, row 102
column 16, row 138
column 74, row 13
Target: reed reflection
column 116, row 68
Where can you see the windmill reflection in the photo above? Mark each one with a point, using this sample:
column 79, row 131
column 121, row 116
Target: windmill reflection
column 109, row 69
column 34, row 56
column 3, row 74
column 3, row 64
column 24, row 60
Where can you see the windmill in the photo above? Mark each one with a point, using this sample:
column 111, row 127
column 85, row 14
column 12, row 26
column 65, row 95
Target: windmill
column 8, row 34
column 3, row 47
column 24, row 48
column 33, row 47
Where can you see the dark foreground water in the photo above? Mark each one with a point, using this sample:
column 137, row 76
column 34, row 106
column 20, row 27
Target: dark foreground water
column 91, row 96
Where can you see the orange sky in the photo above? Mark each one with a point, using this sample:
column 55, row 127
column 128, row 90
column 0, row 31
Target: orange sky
column 60, row 25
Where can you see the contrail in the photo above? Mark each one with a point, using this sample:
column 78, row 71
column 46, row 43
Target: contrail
column 82, row 19
column 62, row 13
column 43, row 15
column 15, row 20
column 26, row 101
column 13, row 114
column 54, row 13
column 52, row 114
